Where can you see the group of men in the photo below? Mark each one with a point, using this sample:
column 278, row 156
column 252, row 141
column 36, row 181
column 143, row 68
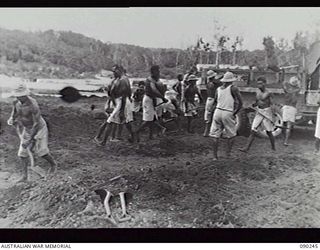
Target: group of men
column 222, row 105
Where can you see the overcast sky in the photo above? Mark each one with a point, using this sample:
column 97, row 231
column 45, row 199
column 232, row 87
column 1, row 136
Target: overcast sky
column 165, row 27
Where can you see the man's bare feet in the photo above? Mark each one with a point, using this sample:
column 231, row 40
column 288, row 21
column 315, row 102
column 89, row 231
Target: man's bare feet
column 96, row 140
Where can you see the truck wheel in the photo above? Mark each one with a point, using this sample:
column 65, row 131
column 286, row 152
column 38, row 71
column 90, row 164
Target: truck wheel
column 243, row 123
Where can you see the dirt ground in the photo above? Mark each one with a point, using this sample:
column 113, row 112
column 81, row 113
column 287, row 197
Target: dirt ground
column 173, row 179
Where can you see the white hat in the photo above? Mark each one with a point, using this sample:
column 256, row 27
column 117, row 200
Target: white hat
column 294, row 81
column 21, row 90
column 228, row 77
column 211, row 74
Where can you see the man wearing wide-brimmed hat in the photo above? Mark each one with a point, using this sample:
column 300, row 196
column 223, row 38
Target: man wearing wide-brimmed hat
column 189, row 107
column 26, row 114
column 213, row 83
column 228, row 103
column 289, row 110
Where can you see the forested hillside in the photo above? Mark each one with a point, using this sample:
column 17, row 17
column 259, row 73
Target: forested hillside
column 66, row 54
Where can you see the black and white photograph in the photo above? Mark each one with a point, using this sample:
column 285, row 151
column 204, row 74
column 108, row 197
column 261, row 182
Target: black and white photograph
column 160, row 117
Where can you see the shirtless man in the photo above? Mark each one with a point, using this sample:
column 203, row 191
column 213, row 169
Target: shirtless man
column 212, row 84
column 120, row 94
column 291, row 91
column 263, row 115
column 178, row 87
column 153, row 96
column 26, row 116
column 228, row 103
column 189, row 106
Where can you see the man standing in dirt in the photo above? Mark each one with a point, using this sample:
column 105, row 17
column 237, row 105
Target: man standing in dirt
column 263, row 115
column 291, row 91
column 152, row 98
column 228, row 103
column 189, row 107
column 212, row 84
column 120, row 94
column 27, row 118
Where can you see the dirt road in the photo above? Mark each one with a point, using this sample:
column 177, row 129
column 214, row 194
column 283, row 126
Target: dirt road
column 174, row 181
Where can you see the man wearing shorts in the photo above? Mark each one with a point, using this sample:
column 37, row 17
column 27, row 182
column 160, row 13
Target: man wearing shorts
column 212, row 84
column 27, row 117
column 120, row 94
column 228, row 102
column 153, row 97
column 263, row 115
column 289, row 110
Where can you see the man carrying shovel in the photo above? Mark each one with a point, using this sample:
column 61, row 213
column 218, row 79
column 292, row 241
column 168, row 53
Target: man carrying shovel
column 263, row 115
column 34, row 135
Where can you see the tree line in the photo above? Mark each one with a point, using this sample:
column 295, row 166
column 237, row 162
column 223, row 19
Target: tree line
column 65, row 54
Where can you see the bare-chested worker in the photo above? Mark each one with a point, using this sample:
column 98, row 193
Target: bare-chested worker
column 263, row 115
column 153, row 96
column 26, row 115
column 120, row 94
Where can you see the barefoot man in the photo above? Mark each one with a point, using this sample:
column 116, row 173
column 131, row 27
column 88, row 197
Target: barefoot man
column 26, row 115
column 263, row 115
column 291, row 91
column 228, row 102
column 120, row 94
column 153, row 97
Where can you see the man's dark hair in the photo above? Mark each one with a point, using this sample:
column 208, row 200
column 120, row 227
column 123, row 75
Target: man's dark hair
column 154, row 68
column 180, row 77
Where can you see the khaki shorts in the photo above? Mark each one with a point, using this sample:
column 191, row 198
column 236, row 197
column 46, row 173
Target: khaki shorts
column 260, row 120
column 289, row 113
column 223, row 124
column 40, row 147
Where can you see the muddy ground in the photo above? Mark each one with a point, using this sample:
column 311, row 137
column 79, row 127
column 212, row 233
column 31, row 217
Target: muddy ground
column 173, row 179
